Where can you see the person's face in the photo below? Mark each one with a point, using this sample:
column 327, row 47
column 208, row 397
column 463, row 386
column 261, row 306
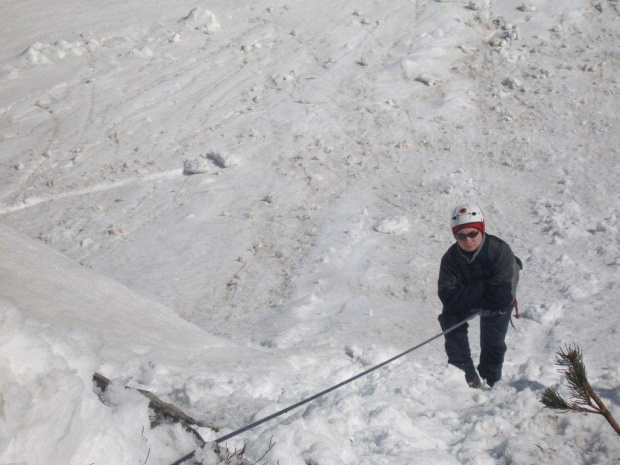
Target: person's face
column 467, row 243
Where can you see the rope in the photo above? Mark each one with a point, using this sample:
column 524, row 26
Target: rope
column 326, row 391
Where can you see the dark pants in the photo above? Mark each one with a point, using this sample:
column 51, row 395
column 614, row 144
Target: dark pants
column 493, row 331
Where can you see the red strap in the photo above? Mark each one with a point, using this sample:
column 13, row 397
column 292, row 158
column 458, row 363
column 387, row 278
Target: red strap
column 516, row 305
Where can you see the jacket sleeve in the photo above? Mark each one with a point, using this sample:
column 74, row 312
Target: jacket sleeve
column 498, row 287
column 455, row 295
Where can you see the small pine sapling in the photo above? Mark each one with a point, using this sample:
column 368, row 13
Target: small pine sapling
column 584, row 399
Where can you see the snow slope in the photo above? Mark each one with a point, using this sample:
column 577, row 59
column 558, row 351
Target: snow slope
column 54, row 290
column 274, row 180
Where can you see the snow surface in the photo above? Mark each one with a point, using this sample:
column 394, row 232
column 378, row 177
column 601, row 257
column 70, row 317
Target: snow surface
column 330, row 141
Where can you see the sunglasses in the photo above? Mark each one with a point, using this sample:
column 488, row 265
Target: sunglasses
column 463, row 236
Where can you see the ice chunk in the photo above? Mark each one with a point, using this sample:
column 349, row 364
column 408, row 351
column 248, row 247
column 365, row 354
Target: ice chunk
column 225, row 160
column 393, row 225
column 197, row 166
column 204, row 20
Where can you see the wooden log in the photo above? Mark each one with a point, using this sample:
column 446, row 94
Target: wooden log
column 163, row 410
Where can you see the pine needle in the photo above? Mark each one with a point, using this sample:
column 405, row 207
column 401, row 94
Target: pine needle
column 585, row 400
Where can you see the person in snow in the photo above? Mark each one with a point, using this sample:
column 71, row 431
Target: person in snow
column 479, row 273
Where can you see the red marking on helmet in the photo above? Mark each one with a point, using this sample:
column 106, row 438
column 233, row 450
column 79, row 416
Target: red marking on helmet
column 462, row 211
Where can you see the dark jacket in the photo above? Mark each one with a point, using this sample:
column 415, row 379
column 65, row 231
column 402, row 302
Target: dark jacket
column 487, row 280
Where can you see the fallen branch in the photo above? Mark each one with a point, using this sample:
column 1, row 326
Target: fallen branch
column 585, row 400
column 163, row 410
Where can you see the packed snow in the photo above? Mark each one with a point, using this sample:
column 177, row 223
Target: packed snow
column 236, row 205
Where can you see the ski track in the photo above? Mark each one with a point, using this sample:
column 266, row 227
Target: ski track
column 30, row 202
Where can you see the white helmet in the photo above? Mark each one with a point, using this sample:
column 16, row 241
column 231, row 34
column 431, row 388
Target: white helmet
column 466, row 214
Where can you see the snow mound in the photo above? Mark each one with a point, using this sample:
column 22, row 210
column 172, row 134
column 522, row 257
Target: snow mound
column 204, row 20
column 35, row 54
column 68, row 295
column 46, row 372
column 428, row 80
column 40, row 53
column 225, row 160
column 197, row 166
column 143, row 52
column 59, row 324
column 394, row 225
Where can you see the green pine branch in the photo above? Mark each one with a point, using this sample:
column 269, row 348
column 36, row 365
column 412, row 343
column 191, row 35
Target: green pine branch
column 584, row 399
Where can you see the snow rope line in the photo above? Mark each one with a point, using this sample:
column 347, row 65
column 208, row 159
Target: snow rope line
column 326, row 391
